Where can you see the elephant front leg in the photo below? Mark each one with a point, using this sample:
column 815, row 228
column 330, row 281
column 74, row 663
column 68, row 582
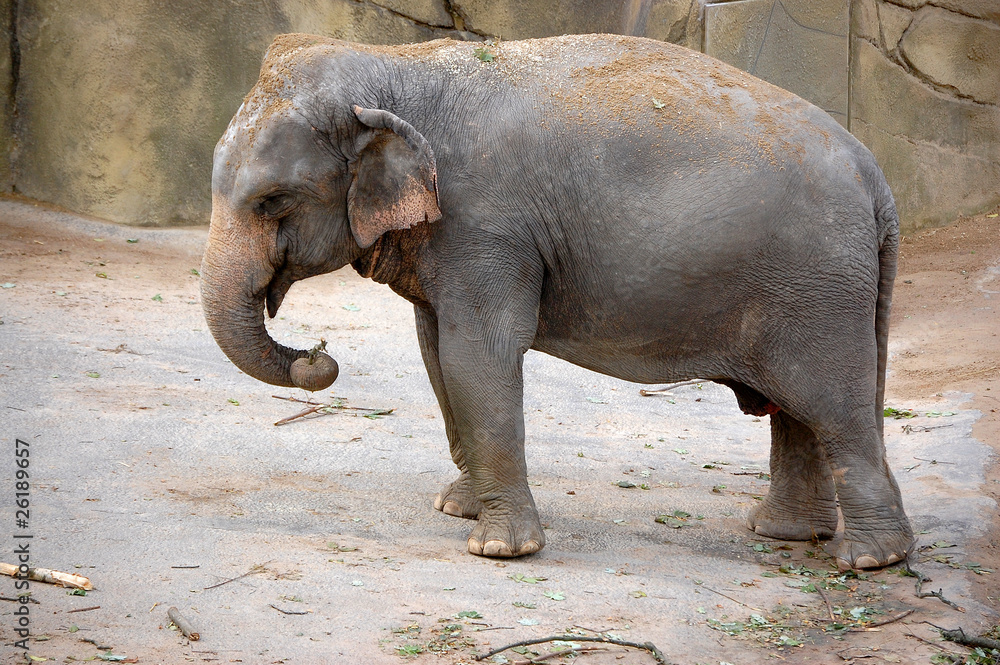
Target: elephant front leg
column 802, row 501
column 484, row 388
column 458, row 498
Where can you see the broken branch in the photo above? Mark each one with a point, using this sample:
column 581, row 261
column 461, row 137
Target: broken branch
column 738, row 602
column 648, row 646
column 183, row 625
column 286, row 611
column 958, row 635
column 259, row 568
column 921, row 578
column 49, row 577
column 664, row 390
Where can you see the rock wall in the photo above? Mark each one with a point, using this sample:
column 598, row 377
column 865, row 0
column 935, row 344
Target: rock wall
column 925, row 98
column 112, row 107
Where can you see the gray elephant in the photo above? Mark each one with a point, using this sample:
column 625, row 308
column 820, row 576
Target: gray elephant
column 627, row 205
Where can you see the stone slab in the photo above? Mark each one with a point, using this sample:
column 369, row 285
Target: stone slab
column 798, row 45
column 955, row 51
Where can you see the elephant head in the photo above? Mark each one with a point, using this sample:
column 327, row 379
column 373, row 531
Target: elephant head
column 305, row 180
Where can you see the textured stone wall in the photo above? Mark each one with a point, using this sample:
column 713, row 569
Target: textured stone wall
column 112, row 107
column 925, row 99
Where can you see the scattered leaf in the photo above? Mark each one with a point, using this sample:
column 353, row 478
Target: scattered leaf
column 528, row 622
column 554, row 595
column 469, row 614
column 597, row 400
column 626, row 484
column 351, row 307
column 94, row 375
column 102, row 275
column 657, row 104
column 940, row 414
column 157, row 298
column 527, row 606
column 8, row 285
column 234, row 402
column 638, row 593
column 194, row 271
column 484, row 54
column 891, row 412
column 681, row 451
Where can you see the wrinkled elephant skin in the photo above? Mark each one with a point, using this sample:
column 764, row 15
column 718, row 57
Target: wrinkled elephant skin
column 627, row 205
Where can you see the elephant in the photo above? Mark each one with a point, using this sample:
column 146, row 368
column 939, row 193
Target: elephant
column 630, row 206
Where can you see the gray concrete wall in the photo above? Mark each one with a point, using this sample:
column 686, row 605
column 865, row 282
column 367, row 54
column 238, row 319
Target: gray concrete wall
column 119, row 103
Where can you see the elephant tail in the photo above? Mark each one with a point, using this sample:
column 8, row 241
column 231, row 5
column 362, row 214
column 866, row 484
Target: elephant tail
column 888, row 255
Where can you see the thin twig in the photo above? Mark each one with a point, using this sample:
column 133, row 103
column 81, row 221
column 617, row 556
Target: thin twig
column 556, row 654
column 482, row 630
column 829, row 607
column 185, row 567
column 648, row 646
column 287, row 611
column 300, row 414
column 921, row 578
column 259, row 568
column 933, row 644
column 661, row 391
column 933, row 461
column 883, row 622
column 738, row 602
column 84, row 609
column 90, row 640
column 18, row 600
column 893, row 619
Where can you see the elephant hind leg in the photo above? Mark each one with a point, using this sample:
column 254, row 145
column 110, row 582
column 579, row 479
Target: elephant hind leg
column 802, row 501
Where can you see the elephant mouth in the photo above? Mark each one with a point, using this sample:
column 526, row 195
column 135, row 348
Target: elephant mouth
column 276, row 291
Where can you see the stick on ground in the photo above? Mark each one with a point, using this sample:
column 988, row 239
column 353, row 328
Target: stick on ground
column 921, row 578
column 661, row 391
column 958, row 635
column 183, row 625
column 50, row 577
column 648, row 646
column 738, row 602
column 259, row 568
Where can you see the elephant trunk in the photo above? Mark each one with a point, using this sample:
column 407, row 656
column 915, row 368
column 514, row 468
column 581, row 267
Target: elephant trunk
column 236, row 319
column 235, row 273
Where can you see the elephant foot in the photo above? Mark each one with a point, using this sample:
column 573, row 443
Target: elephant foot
column 873, row 549
column 815, row 521
column 500, row 534
column 458, row 499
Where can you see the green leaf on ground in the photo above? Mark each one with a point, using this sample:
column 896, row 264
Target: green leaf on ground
column 554, row 595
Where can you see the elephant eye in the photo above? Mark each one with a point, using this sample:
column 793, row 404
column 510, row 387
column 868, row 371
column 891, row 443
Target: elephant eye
column 274, row 205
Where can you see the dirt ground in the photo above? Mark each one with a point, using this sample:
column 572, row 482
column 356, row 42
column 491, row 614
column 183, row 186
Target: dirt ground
column 157, row 472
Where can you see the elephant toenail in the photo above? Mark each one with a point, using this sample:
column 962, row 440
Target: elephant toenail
column 529, row 547
column 893, row 558
column 452, row 508
column 438, row 503
column 497, row 548
column 475, row 547
column 843, row 565
column 866, row 561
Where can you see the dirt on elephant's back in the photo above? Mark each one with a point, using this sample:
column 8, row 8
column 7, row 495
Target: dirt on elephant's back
column 946, row 306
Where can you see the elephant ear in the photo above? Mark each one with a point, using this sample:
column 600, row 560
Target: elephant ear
column 395, row 179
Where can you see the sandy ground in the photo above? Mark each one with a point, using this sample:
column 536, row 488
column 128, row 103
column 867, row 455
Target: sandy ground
column 157, row 472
